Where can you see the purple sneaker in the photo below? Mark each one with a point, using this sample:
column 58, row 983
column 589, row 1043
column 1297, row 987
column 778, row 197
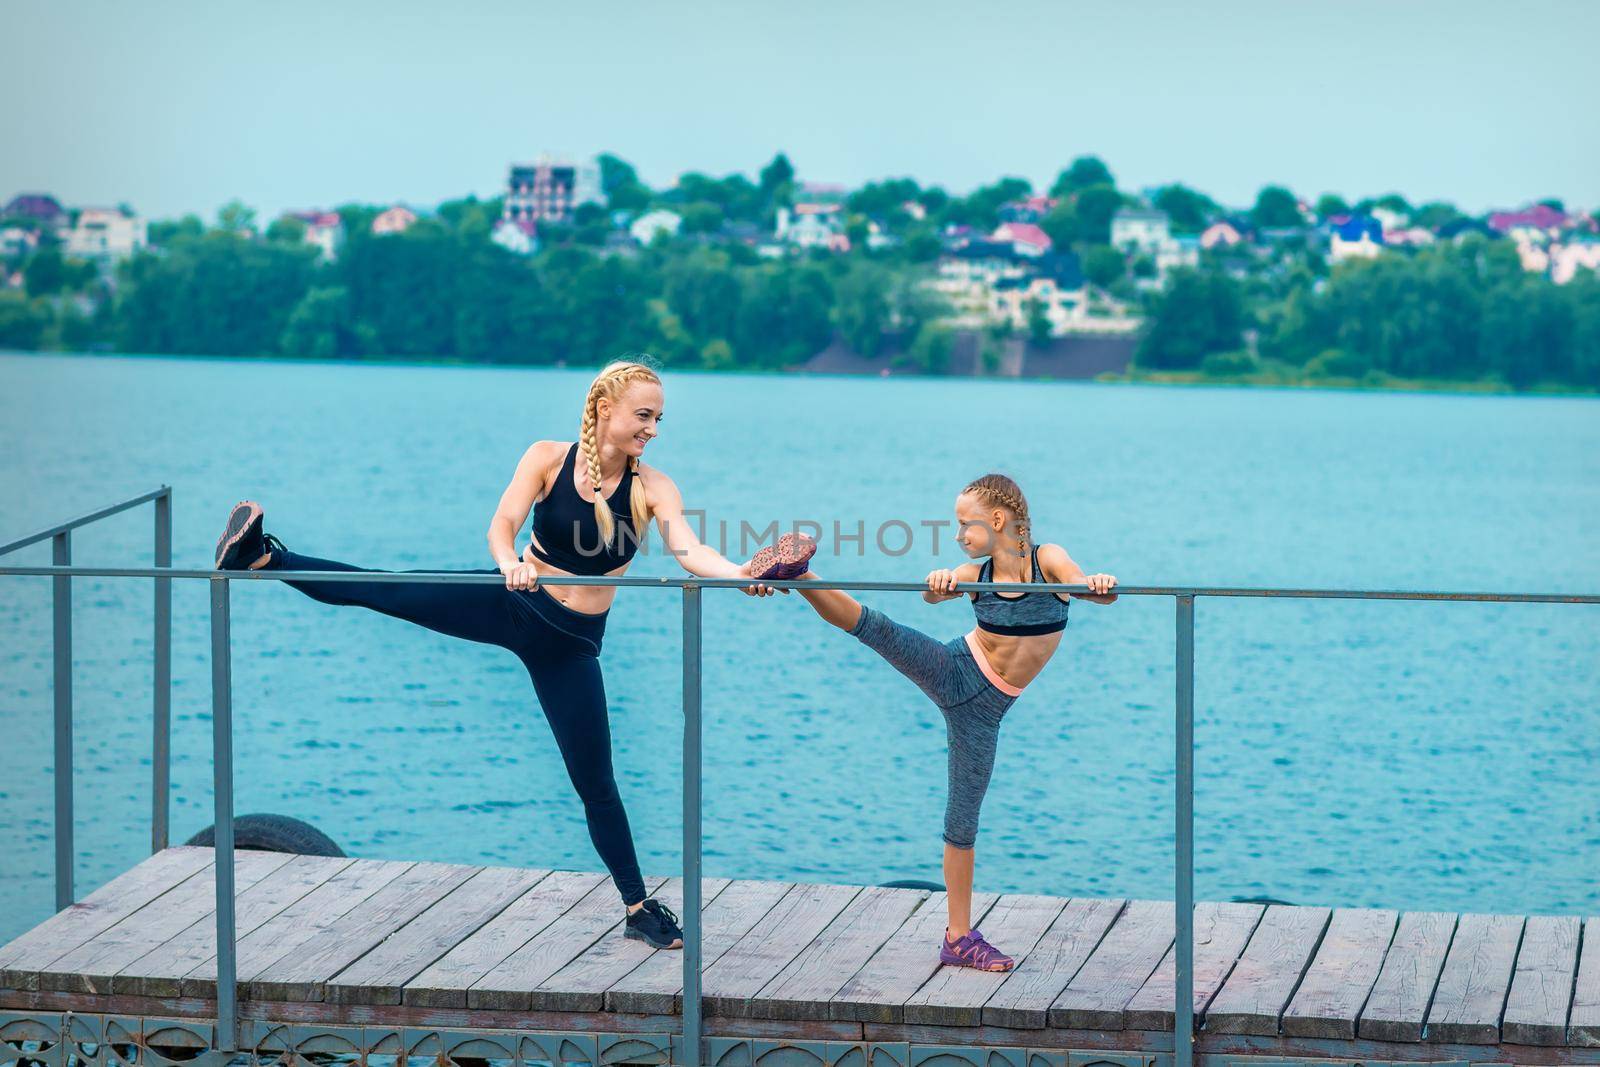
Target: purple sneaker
column 973, row 951
column 785, row 559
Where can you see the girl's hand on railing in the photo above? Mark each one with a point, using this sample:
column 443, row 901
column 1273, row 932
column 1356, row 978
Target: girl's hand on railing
column 942, row 582
column 1100, row 583
column 519, row 575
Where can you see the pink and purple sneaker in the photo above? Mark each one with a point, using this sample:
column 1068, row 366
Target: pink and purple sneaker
column 971, row 950
column 784, row 560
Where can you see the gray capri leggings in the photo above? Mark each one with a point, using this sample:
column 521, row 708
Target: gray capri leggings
column 972, row 709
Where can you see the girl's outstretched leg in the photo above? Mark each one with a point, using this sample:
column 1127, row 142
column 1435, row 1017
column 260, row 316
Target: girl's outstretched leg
column 834, row 605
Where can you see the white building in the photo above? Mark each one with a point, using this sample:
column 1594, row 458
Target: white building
column 397, row 219
column 1140, row 229
column 813, row 225
column 324, row 231
column 517, row 236
column 647, row 227
column 550, row 190
column 105, row 233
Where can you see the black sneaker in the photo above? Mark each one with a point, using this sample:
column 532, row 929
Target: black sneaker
column 655, row 925
column 241, row 543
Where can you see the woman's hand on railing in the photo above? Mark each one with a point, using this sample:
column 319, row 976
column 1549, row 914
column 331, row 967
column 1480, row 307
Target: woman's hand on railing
column 519, row 575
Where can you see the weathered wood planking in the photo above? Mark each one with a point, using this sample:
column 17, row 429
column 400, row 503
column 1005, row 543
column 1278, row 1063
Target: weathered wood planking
column 296, row 924
column 655, row 987
column 444, row 983
column 22, row 957
column 1475, row 979
column 1398, row 1004
column 802, row 990
column 380, row 976
column 955, row 996
column 1257, row 990
column 508, row 984
column 1098, row 995
column 581, row 985
column 1583, row 1028
column 91, row 966
column 159, row 972
column 757, row 957
column 1342, row 974
column 879, row 989
column 1542, row 984
column 1025, row 998
column 1221, row 931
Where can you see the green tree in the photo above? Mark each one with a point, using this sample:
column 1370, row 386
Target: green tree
column 163, row 231
column 930, row 349
column 1085, row 171
column 861, row 310
column 45, row 273
column 1038, row 321
column 615, row 173
column 1275, row 207
column 236, row 217
column 22, row 321
column 1394, row 202
column 320, row 326
column 981, row 208
column 1093, row 210
column 286, row 229
column 777, row 179
column 1190, row 211
column 1104, row 265
column 1436, row 213
column 1198, row 313
column 701, row 217
column 1331, row 204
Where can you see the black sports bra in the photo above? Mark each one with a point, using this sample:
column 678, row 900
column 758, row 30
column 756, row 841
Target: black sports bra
column 566, row 534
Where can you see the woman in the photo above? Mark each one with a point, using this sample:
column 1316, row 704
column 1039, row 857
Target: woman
column 591, row 500
column 974, row 679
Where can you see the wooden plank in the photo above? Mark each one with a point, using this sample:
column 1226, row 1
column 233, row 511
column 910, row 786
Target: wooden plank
column 802, row 990
column 1399, row 1002
column 1475, row 979
column 72, row 926
column 90, row 967
column 1342, row 974
column 1258, row 989
column 444, row 983
column 955, row 996
column 1097, row 998
column 1025, row 998
column 1542, row 984
column 581, row 985
column 296, row 924
column 1583, row 1028
column 803, row 913
column 655, row 987
column 299, row 976
column 159, row 973
column 1221, row 931
column 878, row 991
column 380, row 976
column 508, row 984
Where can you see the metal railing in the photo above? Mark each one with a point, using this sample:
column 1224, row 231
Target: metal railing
column 60, row 538
column 222, row 728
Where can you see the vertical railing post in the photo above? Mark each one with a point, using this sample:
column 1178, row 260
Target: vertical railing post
column 161, row 747
column 61, row 597
column 1183, row 1008
column 222, row 792
column 691, row 825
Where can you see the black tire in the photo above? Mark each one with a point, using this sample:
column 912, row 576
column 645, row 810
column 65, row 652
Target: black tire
column 263, row 832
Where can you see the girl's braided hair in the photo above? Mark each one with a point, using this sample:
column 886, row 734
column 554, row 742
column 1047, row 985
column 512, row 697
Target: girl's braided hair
column 998, row 491
column 611, row 383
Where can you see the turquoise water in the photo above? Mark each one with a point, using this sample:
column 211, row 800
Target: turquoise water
column 1348, row 753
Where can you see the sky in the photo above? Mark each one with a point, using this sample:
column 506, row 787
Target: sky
column 178, row 106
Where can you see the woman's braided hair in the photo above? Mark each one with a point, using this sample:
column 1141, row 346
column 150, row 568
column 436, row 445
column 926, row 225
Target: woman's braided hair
column 612, row 381
column 998, row 491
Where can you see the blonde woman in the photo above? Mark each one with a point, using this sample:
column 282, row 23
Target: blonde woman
column 974, row 679
column 591, row 500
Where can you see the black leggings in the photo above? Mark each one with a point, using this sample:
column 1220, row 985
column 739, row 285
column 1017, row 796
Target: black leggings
column 559, row 647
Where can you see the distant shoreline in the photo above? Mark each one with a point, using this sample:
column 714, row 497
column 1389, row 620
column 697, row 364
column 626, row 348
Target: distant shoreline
column 1134, row 376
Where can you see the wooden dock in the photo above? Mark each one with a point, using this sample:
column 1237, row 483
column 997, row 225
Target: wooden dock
column 371, row 944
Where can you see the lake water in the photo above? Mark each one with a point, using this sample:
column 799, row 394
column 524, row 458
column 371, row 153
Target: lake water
column 1442, row 756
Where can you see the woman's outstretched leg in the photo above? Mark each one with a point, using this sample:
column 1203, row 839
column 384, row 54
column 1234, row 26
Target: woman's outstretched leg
column 475, row 612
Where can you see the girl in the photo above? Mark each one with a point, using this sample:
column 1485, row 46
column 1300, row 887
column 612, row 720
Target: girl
column 974, row 679
column 591, row 501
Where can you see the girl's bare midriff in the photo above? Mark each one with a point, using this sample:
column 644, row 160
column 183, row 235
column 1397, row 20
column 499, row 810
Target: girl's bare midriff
column 1018, row 659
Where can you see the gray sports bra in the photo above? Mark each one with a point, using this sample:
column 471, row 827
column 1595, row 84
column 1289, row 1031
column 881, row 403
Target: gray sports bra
column 1019, row 616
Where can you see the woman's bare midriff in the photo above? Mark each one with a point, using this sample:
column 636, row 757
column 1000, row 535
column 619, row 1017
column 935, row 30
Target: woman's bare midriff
column 1018, row 660
column 589, row 599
